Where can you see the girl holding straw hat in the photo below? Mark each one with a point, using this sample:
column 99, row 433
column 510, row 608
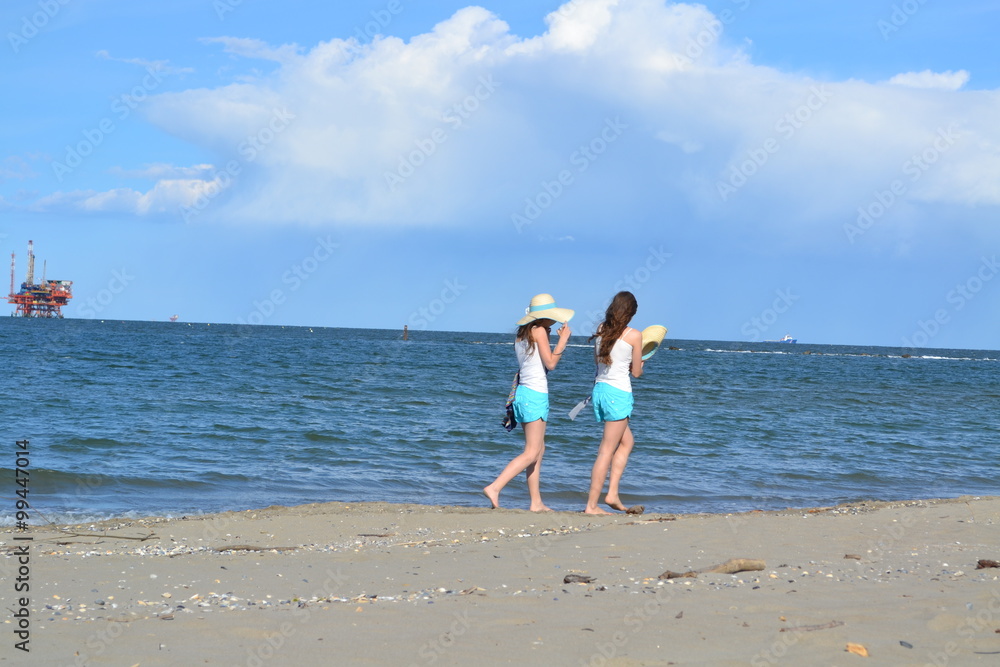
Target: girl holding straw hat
column 618, row 354
column 535, row 359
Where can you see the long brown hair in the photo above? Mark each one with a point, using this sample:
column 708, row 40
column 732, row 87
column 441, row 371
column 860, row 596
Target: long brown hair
column 620, row 312
column 524, row 333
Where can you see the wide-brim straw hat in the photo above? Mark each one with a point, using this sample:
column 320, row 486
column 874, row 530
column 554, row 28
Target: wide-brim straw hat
column 652, row 336
column 543, row 307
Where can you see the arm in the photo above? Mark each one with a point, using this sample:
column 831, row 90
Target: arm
column 550, row 357
column 596, row 347
column 634, row 338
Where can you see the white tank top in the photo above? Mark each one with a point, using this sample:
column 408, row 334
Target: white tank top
column 532, row 370
column 617, row 374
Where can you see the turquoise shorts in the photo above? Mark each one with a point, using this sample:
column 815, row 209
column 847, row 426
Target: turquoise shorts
column 530, row 405
column 611, row 404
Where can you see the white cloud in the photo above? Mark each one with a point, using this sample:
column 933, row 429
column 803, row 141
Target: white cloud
column 932, row 80
column 577, row 25
column 166, row 197
column 164, row 171
column 160, row 66
column 255, row 48
column 15, row 167
column 677, row 139
column 469, row 124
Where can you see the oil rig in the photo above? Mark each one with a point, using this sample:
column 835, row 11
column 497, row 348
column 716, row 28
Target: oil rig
column 44, row 299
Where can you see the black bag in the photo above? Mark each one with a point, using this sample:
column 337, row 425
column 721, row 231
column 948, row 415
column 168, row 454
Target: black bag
column 509, row 422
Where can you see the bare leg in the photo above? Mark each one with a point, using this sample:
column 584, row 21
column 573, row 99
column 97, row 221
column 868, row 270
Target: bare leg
column 613, row 432
column 618, row 463
column 535, row 431
column 534, row 446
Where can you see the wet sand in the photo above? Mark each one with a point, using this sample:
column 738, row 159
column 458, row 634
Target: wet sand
column 383, row 584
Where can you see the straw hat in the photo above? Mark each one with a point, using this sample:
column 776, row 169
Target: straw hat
column 543, row 307
column 652, row 336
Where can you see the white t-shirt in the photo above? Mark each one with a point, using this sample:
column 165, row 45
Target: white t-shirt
column 617, row 374
column 533, row 373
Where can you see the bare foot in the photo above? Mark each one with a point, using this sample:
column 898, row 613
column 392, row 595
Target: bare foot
column 615, row 504
column 493, row 497
column 596, row 510
column 540, row 508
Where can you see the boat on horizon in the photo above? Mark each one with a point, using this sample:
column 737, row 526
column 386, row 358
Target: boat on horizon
column 787, row 338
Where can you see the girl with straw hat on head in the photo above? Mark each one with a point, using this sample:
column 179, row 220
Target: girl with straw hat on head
column 535, row 359
column 618, row 354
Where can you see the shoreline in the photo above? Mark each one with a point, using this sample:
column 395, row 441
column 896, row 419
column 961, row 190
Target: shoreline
column 383, row 583
column 387, row 506
column 112, row 518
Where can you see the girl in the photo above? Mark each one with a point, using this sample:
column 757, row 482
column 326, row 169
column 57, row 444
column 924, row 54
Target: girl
column 617, row 352
column 531, row 400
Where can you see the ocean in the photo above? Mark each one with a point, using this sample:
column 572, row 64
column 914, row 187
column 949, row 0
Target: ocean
column 171, row 419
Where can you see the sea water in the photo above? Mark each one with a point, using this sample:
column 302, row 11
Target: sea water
column 158, row 418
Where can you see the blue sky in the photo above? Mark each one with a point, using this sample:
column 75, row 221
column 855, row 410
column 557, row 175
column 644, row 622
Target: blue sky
column 747, row 168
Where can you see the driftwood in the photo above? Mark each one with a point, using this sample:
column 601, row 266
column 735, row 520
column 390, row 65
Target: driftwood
column 654, row 519
column 810, row 628
column 102, row 536
column 71, row 533
column 65, row 531
column 731, row 566
column 250, row 547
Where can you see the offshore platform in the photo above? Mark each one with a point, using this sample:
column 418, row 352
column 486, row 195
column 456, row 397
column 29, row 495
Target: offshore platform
column 44, row 299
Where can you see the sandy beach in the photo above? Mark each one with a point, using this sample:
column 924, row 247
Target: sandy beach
column 383, row 584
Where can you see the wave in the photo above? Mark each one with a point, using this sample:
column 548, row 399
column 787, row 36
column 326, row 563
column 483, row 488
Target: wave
column 815, row 353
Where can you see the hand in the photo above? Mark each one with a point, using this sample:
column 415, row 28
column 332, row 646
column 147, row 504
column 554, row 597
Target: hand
column 564, row 331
